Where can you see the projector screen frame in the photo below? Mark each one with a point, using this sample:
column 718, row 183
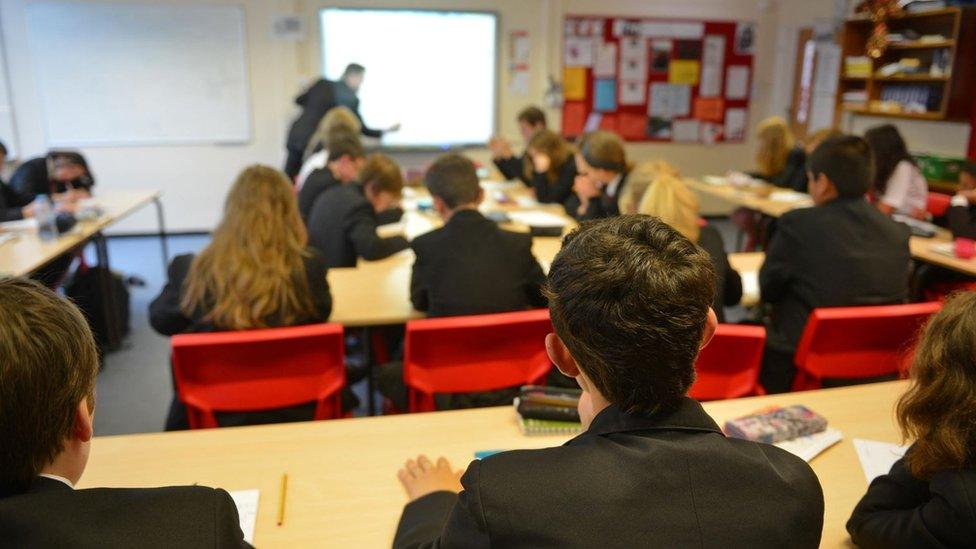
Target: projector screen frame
column 496, row 92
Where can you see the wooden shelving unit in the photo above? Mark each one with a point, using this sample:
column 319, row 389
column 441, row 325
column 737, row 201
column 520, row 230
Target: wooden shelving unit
column 955, row 93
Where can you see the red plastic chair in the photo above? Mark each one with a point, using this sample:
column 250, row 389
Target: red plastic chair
column 474, row 353
column 858, row 342
column 938, row 204
column 256, row 370
column 728, row 367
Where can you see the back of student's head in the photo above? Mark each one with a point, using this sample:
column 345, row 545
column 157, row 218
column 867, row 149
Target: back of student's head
column 344, row 143
column 603, row 150
column 551, row 144
column 381, row 173
column 253, row 268
column 337, row 120
column 453, row 179
column 353, row 69
column 71, row 161
column 671, row 201
column 629, row 296
column 639, row 179
column 939, row 409
column 775, row 143
column 533, row 116
column 888, row 149
column 48, row 363
column 846, row 161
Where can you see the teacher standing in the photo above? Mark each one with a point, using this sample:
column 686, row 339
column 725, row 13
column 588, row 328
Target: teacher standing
column 315, row 102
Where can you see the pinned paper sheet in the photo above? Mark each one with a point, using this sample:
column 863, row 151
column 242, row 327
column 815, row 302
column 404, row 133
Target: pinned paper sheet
column 579, row 52
column 735, row 124
column 669, row 100
column 632, row 92
column 686, row 131
column 605, row 65
column 593, row 122
column 684, row 72
column 574, row 118
column 574, row 83
column 538, row 218
column 811, row 446
column 605, row 95
column 737, row 82
column 633, row 68
column 632, row 126
column 710, row 109
column 633, row 47
column 877, row 457
column 247, row 510
column 608, row 122
column 712, row 61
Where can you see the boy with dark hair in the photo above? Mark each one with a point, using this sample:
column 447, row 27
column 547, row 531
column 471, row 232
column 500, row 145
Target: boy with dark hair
column 346, row 158
column 343, row 221
column 530, row 120
column 962, row 212
column 48, row 364
column 841, row 253
column 57, row 173
column 630, row 300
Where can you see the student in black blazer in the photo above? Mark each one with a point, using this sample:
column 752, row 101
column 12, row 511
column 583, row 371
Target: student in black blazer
column 601, row 163
column 346, row 157
column 962, row 211
column 630, row 304
column 13, row 205
column 343, row 220
column 46, row 423
column 268, row 279
column 57, row 173
column 928, row 499
column 551, row 167
column 530, row 120
column 840, row 253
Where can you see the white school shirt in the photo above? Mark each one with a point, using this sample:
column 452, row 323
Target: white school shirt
column 907, row 189
column 315, row 162
column 59, row 479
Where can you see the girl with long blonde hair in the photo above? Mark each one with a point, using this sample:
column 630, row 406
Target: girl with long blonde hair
column 778, row 158
column 257, row 271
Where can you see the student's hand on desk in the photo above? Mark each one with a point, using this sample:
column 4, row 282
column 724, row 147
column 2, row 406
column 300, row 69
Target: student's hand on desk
column 422, row 476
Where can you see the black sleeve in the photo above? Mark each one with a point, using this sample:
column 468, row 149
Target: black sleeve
column 896, row 512
column 30, row 180
column 733, row 288
column 366, row 130
column 361, row 229
column 227, row 526
column 511, row 167
column 318, row 284
column 318, row 88
column 794, row 175
column 777, row 269
column 393, row 215
column 558, row 191
column 419, row 296
column 11, row 203
column 535, row 279
column 444, row 519
column 165, row 315
column 962, row 221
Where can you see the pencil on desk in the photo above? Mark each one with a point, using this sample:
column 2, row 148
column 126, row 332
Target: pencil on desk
column 281, row 500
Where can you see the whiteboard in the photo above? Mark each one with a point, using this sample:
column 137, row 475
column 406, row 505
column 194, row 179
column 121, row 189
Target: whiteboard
column 136, row 74
column 8, row 126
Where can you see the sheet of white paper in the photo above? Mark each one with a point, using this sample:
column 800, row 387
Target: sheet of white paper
column 669, row 100
column 605, row 65
column 537, row 218
column 750, row 286
column 247, row 509
column 579, row 52
column 391, row 229
column 631, row 92
column 735, row 124
column 811, row 446
column 633, row 46
column 712, row 60
column 521, row 48
column 788, row 196
column 519, row 84
column 737, row 82
column 686, row 131
column 944, row 248
column 633, row 68
column 593, row 122
column 658, row 29
column 21, row 225
column 877, row 457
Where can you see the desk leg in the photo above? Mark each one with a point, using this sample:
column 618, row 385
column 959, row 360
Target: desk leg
column 370, row 370
column 162, row 233
column 109, row 307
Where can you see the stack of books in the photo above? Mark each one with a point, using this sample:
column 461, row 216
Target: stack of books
column 548, row 410
column 857, row 67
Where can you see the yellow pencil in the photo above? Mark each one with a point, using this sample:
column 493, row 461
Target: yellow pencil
column 281, row 500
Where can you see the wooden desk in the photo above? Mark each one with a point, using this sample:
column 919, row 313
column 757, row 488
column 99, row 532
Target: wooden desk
column 343, row 490
column 29, row 252
column 922, row 250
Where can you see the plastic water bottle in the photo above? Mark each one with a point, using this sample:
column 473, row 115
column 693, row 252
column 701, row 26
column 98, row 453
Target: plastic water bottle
column 44, row 213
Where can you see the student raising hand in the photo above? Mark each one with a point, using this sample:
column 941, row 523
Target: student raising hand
column 422, row 476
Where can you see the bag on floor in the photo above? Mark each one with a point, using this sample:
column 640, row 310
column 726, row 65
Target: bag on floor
column 85, row 290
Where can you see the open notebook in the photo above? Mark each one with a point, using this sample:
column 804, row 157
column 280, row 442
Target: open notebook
column 247, row 509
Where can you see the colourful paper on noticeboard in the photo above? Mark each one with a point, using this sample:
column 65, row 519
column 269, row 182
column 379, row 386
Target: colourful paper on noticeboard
column 709, row 109
column 684, row 72
column 604, row 95
column 574, row 83
column 609, row 123
column 574, row 118
column 632, row 126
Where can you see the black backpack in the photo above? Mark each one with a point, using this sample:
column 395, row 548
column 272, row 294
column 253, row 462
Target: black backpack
column 85, row 290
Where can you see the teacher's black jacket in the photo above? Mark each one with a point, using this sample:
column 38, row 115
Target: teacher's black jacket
column 842, row 254
column 11, row 203
column 556, row 191
column 51, row 514
column 315, row 102
column 901, row 511
column 342, row 224
column 470, row 266
column 31, row 179
column 668, row 480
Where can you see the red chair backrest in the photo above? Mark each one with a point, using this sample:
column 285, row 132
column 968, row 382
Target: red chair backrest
column 728, row 367
column 474, row 353
column 260, row 370
column 938, row 204
column 860, row 342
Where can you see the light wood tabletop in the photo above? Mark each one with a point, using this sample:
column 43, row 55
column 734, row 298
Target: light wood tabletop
column 28, row 252
column 343, row 490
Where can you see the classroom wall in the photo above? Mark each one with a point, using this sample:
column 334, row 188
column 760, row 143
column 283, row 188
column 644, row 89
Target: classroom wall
column 195, row 178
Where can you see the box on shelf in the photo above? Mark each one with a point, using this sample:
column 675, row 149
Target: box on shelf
column 939, row 168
